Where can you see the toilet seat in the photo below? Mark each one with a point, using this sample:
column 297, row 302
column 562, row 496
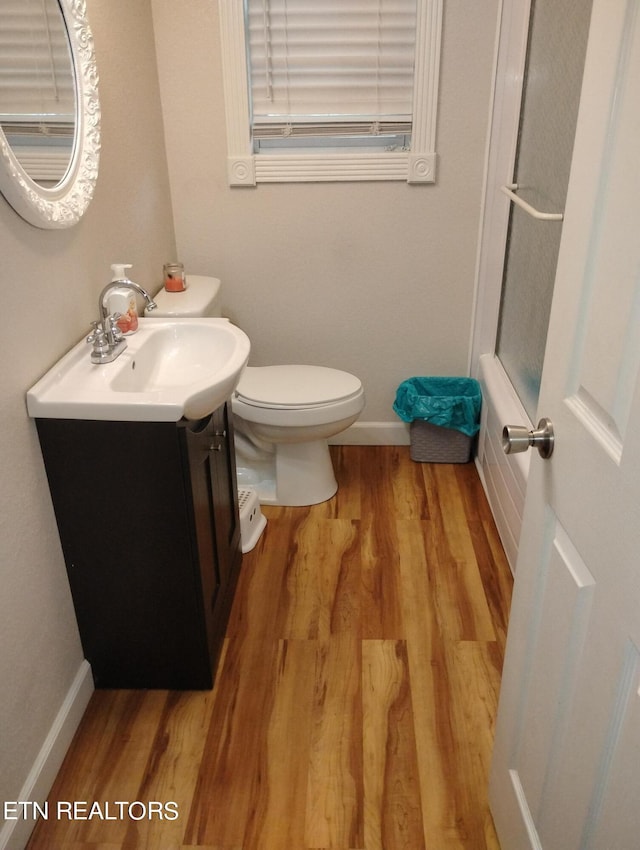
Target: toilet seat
column 298, row 396
column 296, row 387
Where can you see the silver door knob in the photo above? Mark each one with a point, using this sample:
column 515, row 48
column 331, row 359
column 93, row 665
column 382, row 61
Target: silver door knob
column 518, row 438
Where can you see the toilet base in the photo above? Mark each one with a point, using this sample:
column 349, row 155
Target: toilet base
column 295, row 475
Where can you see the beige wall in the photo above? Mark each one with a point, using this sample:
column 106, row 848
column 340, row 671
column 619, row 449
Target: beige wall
column 49, row 282
column 375, row 278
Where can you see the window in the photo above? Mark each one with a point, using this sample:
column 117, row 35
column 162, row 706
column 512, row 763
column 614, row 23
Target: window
column 37, row 87
column 319, row 90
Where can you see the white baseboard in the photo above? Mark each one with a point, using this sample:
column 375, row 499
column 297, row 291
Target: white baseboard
column 373, row 434
column 15, row 833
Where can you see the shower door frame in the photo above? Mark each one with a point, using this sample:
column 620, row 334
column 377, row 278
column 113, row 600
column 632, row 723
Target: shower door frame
column 503, row 477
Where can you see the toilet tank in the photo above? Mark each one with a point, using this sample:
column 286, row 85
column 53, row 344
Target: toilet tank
column 201, row 298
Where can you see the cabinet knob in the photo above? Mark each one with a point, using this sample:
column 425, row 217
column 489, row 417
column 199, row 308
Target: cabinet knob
column 215, row 447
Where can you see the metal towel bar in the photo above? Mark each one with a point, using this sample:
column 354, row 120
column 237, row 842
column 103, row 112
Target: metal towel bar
column 541, row 216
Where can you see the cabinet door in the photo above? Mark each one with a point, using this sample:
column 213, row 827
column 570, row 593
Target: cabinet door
column 215, row 506
column 123, row 504
column 225, row 493
column 202, row 477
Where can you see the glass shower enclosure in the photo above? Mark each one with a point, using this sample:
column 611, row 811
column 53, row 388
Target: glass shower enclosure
column 558, row 31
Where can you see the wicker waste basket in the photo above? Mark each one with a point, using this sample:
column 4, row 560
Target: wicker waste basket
column 444, row 415
column 435, row 444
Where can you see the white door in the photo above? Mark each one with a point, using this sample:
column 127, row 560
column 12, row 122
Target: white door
column 566, row 768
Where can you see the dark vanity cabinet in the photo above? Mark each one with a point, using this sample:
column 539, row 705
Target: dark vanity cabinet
column 149, row 525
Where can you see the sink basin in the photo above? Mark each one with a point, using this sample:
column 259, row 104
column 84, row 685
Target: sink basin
column 171, row 368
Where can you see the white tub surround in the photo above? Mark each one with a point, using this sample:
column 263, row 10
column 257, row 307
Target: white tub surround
column 504, row 476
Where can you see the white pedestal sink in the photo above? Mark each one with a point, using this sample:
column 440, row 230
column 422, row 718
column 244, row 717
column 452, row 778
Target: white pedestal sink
column 171, row 368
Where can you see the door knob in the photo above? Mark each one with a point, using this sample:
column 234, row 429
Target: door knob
column 518, row 438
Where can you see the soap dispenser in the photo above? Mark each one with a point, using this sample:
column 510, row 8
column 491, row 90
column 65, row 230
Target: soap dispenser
column 123, row 300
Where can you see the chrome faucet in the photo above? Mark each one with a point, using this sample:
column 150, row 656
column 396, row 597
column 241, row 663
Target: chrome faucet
column 106, row 337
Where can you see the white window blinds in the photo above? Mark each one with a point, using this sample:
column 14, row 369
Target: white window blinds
column 331, row 66
column 36, row 82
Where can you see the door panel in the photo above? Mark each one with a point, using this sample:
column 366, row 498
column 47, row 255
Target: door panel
column 558, row 629
column 566, row 768
column 607, row 355
column 618, row 777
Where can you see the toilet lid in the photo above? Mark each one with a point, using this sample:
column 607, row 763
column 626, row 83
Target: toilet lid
column 295, row 386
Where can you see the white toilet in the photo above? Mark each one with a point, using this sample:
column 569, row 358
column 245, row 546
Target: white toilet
column 283, row 415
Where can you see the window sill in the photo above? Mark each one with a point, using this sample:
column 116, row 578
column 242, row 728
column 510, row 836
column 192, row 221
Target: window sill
column 324, row 168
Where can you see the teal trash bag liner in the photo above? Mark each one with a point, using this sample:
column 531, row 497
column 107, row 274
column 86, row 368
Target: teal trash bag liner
column 448, row 402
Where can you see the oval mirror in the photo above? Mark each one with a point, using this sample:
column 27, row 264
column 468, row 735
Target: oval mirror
column 49, row 110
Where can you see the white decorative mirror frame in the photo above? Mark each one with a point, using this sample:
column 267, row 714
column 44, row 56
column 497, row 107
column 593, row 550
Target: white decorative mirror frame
column 63, row 204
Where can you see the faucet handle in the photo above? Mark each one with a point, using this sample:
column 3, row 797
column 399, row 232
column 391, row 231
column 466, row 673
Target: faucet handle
column 113, row 327
column 97, row 335
column 98, row 338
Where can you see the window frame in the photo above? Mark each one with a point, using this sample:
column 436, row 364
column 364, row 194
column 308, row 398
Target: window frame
column 245, row 168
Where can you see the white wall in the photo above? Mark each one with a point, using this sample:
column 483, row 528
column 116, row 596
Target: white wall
column 49, row 283
column 374, row 278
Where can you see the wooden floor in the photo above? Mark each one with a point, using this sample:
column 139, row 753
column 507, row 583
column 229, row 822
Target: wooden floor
column 355, row 702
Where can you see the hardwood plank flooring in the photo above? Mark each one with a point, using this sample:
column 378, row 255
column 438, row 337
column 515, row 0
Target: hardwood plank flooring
column 355, row 699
